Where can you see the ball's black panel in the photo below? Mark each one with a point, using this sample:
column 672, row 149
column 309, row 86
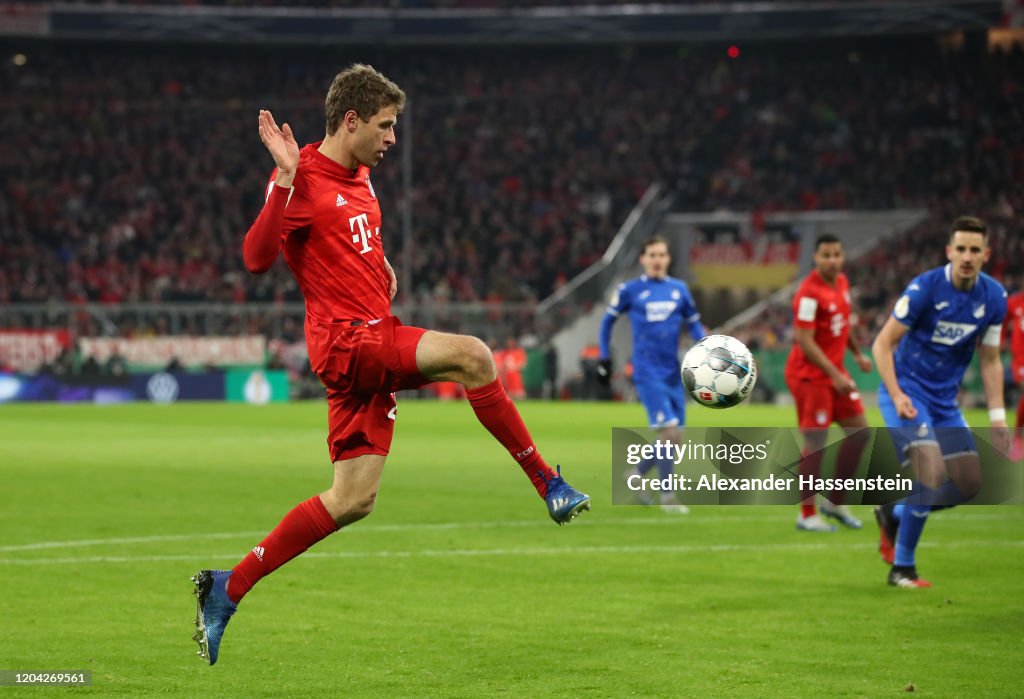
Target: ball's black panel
column 719, row 359
column 688, row 379
column 725, row 401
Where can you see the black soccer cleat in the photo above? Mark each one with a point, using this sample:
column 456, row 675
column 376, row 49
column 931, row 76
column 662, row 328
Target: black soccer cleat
column 906, row 576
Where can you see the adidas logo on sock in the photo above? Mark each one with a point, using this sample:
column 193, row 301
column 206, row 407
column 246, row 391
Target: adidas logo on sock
column 259, row 553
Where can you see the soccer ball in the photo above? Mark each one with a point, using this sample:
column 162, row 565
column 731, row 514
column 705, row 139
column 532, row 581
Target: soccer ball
column 719, row 371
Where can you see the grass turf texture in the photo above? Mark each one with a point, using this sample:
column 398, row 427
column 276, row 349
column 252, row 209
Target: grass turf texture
column 459, row 584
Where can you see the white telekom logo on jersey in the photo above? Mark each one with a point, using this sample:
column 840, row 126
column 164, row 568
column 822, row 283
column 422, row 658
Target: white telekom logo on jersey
column 364, row 234
column 947, row 333
column 658, row 311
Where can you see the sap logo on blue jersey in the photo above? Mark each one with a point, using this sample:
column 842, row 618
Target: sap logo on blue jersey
column 947, row 333
column 657, row 311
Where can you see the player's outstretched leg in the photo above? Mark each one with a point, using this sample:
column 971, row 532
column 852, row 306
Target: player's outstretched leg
column 213, row 610
column 467, row 360
column 888, row 524
column 564, row 502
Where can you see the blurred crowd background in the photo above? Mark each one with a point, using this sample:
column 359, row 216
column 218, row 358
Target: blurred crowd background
column 139, row 185
column 130, row 172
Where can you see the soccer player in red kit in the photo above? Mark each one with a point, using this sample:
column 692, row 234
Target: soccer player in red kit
column 321, row 210
column 823, row 391
column 1015, row 329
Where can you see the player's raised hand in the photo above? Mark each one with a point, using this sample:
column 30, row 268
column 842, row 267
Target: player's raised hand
column 282, row 146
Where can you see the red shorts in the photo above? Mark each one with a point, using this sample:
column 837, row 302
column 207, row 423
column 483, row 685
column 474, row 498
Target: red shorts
column 1017, row 367
column 366, row 363
column 818, row 405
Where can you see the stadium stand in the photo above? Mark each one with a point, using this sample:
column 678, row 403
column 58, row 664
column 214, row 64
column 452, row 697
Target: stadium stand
column 388, row 4
column 138, row 185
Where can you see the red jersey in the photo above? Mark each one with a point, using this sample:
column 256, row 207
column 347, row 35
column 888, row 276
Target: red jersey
column 826, row 309
column 1015, row 325
column 329, row 226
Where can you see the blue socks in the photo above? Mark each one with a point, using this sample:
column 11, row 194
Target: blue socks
column 645, row 466
column 912, row 521
column 665, row 467
column 913, row 512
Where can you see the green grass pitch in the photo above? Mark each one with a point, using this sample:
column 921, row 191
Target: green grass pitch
column 459, row 585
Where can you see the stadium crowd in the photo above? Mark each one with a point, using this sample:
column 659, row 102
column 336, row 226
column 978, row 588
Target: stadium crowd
column 389, row 4
column 878, row 278
column 137, row 184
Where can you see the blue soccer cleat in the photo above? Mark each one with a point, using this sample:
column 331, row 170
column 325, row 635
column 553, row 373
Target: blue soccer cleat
column 213, row 610
column 565, row 503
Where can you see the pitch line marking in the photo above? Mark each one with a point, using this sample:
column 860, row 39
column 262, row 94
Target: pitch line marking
column 528, row 551
column 667, row 519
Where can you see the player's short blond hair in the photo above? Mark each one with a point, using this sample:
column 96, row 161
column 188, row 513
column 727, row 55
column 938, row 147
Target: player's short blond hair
column 363, row 89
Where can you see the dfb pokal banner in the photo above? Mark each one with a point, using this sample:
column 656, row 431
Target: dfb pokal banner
column 766, row 466
column 157, row 351
column 27, row 350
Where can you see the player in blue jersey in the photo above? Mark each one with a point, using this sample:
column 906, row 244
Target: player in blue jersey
column 659, row 307
column 922, row 353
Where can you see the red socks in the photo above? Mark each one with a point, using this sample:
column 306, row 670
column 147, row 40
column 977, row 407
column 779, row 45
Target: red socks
column 810, row 465
column 847, row 461
column 305, row 525
column 310, row 522
column 496, row 411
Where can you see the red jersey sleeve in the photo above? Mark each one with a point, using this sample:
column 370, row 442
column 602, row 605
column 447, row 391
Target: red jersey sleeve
column 1014, row 325
column 805, row 306
column 285, row 210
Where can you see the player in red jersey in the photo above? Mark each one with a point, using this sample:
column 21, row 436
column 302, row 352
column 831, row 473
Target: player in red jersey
column 1015, row 330
column 321, row 210
column 823, row 391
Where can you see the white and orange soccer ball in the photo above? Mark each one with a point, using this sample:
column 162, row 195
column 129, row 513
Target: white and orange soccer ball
column 719, row 371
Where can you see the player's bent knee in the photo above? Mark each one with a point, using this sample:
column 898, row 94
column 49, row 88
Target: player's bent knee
column 929, row 466
column 969, row 486
column 477, row 361
column 460, row 358
column 348, row 508
column 362, row 508
column 673, row 433
column 966, row 474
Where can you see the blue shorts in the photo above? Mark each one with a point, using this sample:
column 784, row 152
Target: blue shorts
column 937, row 422
column 664, row 400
